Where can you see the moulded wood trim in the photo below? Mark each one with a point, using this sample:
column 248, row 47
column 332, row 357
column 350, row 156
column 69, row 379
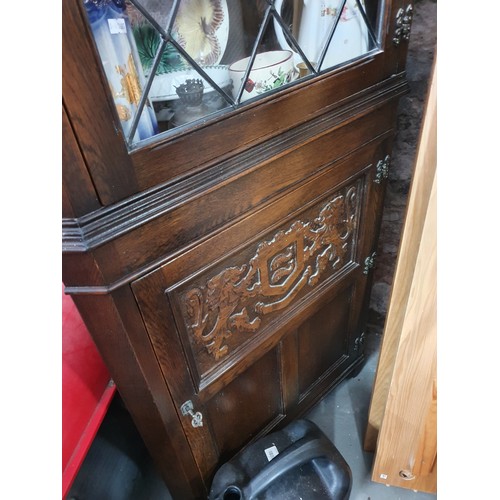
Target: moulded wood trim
column 236, row 132
column 319, row 180
column 108, row 223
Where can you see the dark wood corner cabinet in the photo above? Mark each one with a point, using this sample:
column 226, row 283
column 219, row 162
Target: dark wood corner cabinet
column 222, row 260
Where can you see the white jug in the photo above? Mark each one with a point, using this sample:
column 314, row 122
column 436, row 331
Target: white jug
column 318, row 16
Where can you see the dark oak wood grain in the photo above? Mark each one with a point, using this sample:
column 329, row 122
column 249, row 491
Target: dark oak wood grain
column 224, row 264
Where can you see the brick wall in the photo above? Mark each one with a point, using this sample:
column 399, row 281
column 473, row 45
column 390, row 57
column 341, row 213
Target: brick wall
column 419, row 64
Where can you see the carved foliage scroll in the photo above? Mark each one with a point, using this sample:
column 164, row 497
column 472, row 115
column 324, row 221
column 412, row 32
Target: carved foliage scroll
column 236, row 299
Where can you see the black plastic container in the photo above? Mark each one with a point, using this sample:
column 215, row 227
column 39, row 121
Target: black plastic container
column 298, row 462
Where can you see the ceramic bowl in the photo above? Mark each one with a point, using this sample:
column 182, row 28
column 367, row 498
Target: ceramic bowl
column 270, row 70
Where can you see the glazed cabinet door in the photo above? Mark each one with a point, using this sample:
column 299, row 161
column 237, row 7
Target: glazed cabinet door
column 146, row 80
column 252, row 325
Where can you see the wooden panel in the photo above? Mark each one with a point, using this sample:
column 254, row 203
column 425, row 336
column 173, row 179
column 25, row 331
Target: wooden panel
column 425, row 167
column 250, row 402
column 405, row 392
column 323, row 340
column 226, row 307
column 79, row 196
column 406, row 453
column 188, row 216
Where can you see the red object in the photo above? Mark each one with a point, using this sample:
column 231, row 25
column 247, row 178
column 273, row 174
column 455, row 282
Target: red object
column 87, row 391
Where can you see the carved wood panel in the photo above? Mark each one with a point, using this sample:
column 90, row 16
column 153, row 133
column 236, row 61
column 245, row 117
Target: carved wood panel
column 223, row 308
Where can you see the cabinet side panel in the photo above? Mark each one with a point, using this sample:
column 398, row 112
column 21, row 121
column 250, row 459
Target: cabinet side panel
column 79, row 195
column 90, row 111
column 139, row 382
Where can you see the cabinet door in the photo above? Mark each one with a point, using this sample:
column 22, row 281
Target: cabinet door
column 128, row 81
column 252, row 325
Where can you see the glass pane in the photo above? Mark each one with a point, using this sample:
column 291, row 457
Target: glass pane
column 182, row 60
column 116, row 45
column 170, row 63
column 269, row 69
column 186, row 94
column 329, row 32
column 351, row 38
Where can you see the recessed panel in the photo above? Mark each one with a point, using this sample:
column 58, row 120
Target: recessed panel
column 245, row 406
column 322, row 341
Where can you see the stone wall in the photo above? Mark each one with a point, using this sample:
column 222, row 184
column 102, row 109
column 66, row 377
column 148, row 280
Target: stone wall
column 421, row 53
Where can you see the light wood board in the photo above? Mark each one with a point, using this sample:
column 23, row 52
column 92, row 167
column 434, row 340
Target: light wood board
column 418, row 200
column 404, row 400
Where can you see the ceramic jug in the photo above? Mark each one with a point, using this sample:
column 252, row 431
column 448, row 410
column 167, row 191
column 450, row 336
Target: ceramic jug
column 318, row 17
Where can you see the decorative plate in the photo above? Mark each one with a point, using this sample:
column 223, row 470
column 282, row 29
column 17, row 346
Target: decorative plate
column 202, row 28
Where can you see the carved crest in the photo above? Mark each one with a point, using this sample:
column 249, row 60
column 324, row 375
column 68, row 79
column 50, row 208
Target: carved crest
column 236, row 299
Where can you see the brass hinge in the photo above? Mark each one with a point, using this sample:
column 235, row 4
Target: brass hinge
column 359, row 341
column 404, row 18
column 382, row 169
column 369, row 263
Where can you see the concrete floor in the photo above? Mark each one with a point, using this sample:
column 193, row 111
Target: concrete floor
column 118, row 467
column 342, row 415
